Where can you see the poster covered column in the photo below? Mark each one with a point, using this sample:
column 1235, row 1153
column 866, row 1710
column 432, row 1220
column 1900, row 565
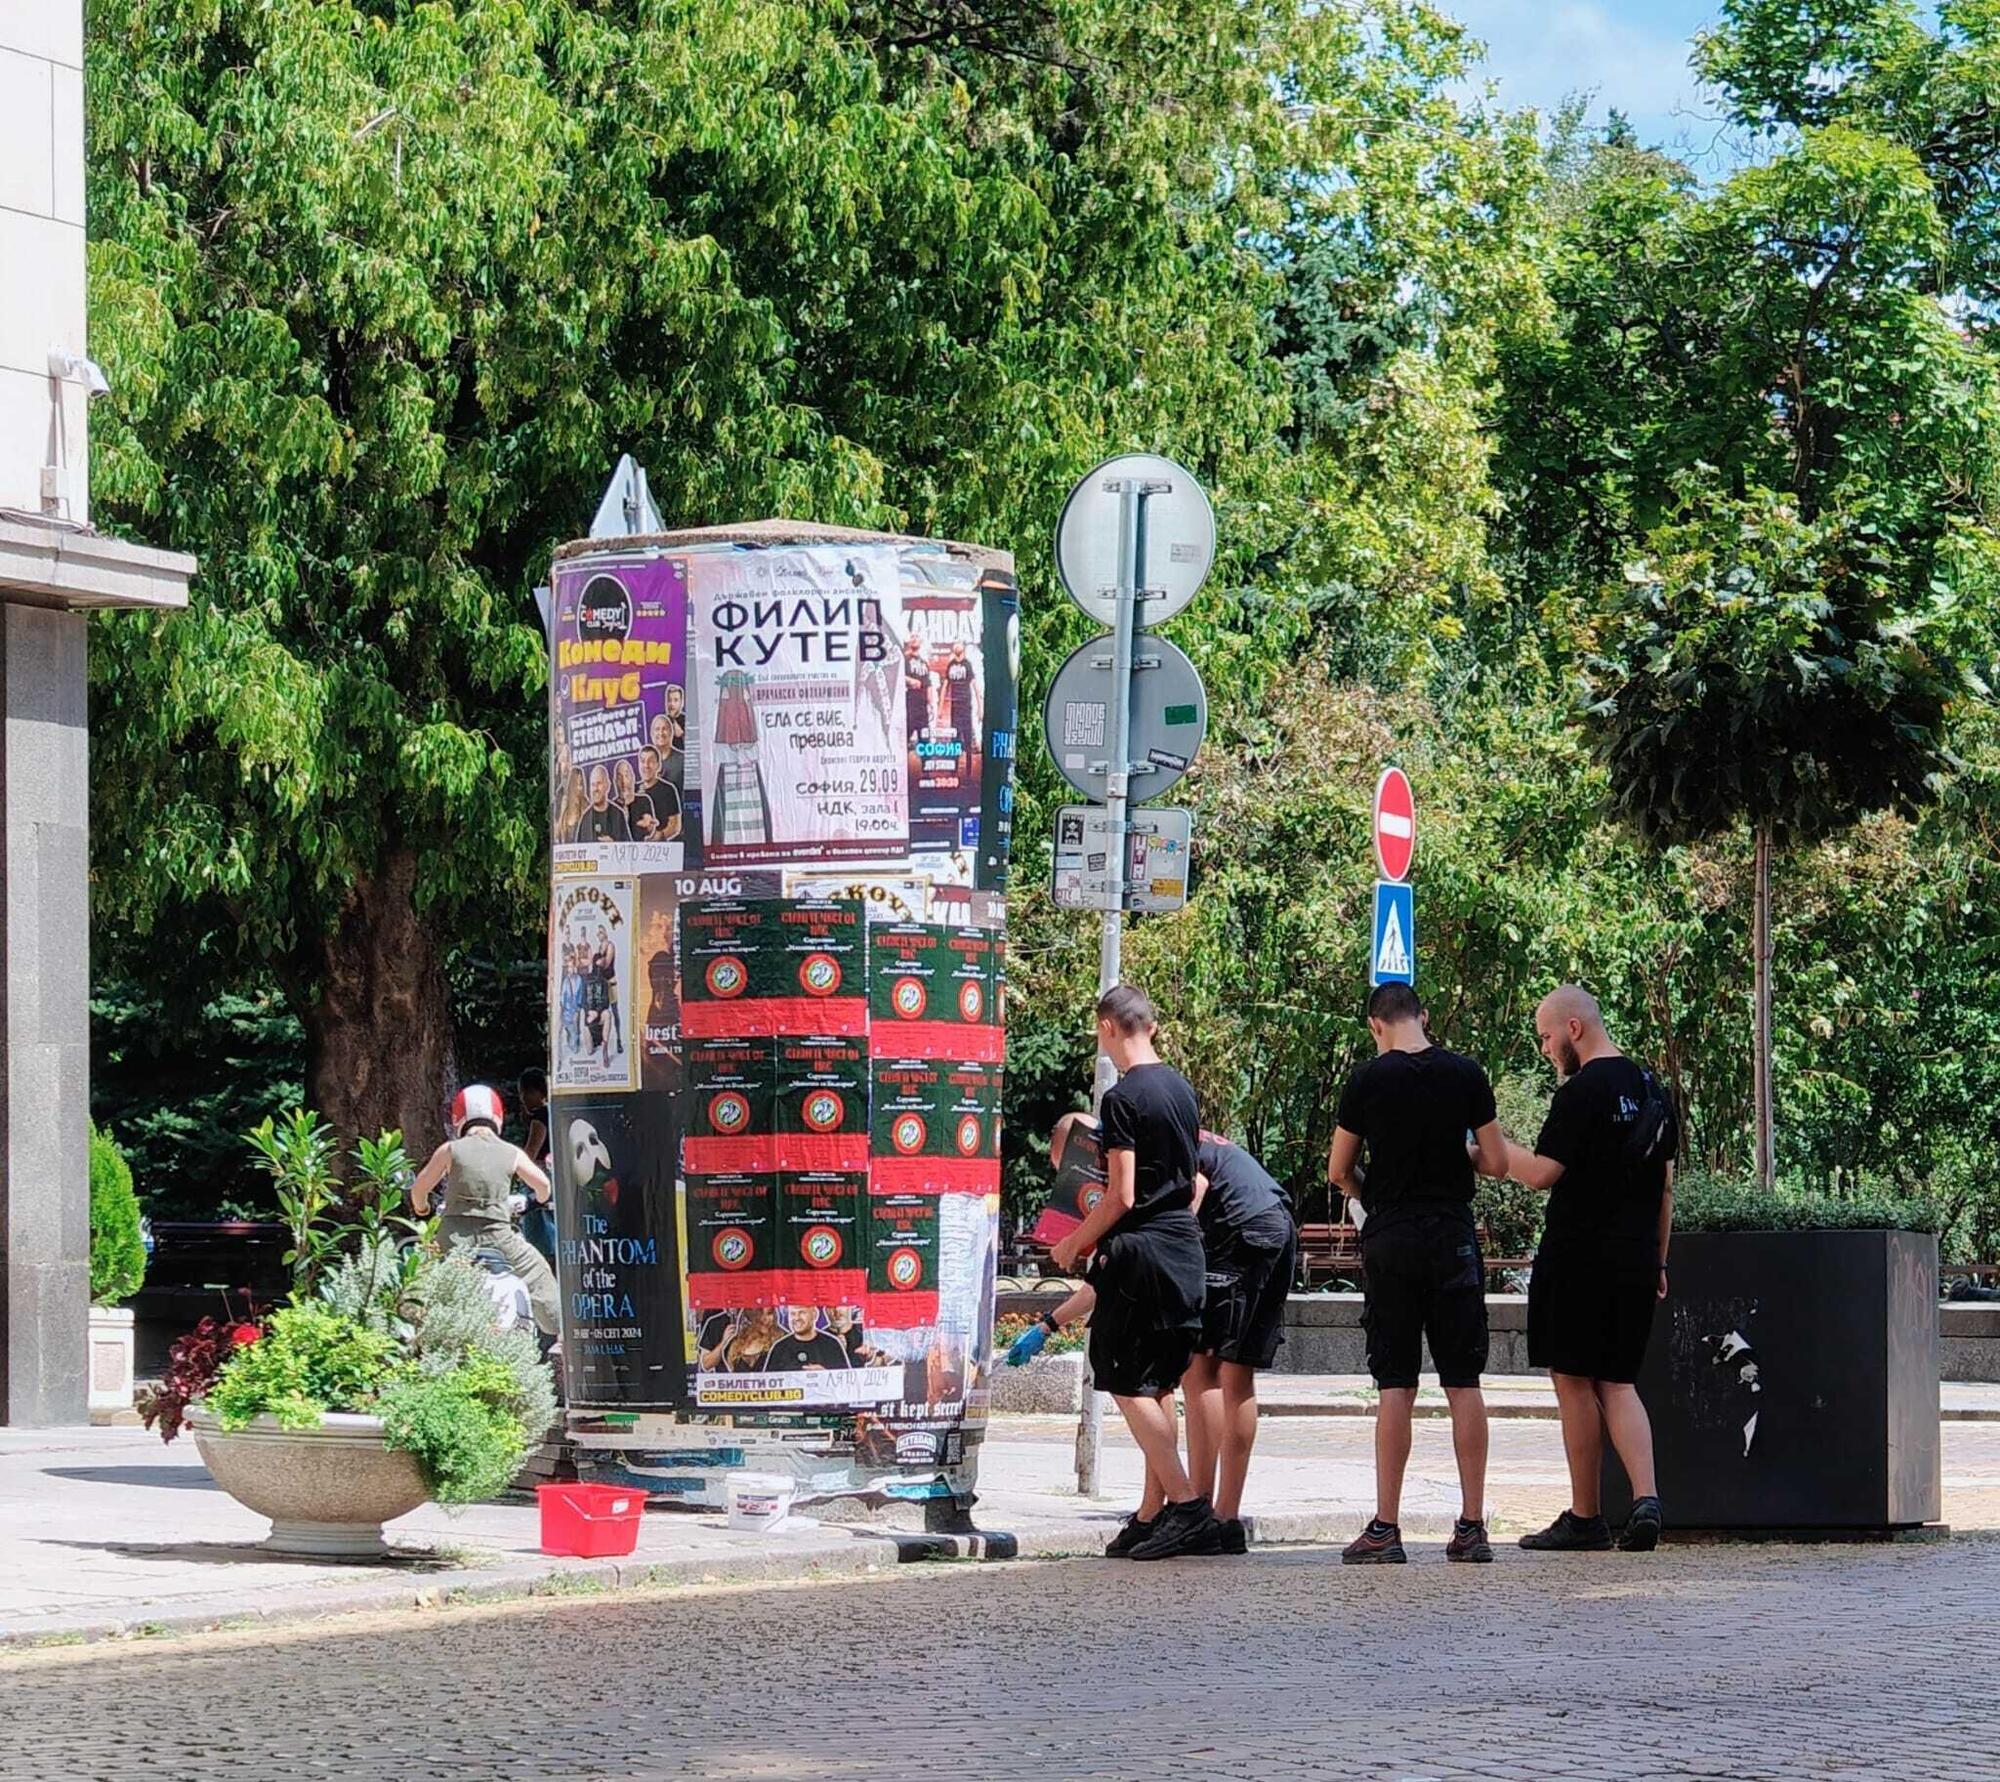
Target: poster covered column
column 781, row 804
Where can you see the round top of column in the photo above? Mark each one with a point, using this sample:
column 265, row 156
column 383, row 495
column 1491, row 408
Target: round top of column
column 773, row 533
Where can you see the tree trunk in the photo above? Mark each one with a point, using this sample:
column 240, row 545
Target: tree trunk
column 1761, row 1017
column 381, row 1053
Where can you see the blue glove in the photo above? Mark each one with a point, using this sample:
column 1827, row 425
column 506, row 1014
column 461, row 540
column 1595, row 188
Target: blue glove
column 1027, row 1345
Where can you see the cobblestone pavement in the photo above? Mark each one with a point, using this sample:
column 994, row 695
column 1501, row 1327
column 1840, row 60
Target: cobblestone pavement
column 1767, row 1662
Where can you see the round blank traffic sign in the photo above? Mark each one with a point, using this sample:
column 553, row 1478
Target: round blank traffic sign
column 1169, row 718
column 1180, row 537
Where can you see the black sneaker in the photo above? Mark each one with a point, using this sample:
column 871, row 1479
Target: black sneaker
column 1121, row 1544
column 1468, row 1544
column 1235, row 1537
column 1641, row 1533
column 1182, row 1530
column 1380, row 1543
column 1571, row 1533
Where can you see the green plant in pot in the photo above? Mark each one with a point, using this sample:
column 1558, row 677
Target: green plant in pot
column 385, row 1381
column 117, row 1270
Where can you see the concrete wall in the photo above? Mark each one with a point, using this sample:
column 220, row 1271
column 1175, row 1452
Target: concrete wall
column 41, row 250
column 1971, row 1349
column 1323, row 1335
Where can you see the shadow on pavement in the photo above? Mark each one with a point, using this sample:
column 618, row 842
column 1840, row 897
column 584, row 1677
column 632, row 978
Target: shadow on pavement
column 399, row 1559
column 171, row 1478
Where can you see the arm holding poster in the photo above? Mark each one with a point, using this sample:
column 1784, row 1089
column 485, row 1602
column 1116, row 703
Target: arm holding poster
column 1076, row 1151
column 1121, row 1190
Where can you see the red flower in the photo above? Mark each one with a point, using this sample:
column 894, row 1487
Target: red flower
column 244, row 1335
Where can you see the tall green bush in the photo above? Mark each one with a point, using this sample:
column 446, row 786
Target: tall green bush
column 117, row 1251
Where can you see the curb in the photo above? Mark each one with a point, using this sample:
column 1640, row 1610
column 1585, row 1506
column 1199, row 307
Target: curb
column 517, row 1581
column 869, row 1554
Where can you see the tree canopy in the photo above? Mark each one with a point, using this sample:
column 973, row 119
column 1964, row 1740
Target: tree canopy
column 1623, row 507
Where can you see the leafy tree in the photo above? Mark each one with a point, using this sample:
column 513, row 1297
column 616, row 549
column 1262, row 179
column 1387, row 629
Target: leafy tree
column 1782, row 558
column 384, row 288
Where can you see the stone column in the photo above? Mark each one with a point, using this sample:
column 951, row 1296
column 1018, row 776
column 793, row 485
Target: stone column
column 45, row 1019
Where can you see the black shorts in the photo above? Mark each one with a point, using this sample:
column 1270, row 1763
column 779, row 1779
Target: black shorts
column 1249, row 1277
column 1591, row 1313
column 1147, row 1319
column 1425, row 1281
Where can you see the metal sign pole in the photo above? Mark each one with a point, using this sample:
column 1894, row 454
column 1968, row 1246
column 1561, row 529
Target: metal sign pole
column 1131, row 578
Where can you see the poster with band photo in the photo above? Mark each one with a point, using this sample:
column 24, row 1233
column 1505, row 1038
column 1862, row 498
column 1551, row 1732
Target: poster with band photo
column 597, row 1035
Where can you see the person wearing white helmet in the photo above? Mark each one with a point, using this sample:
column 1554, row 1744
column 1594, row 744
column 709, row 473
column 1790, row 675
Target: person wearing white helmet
column 479, row 1169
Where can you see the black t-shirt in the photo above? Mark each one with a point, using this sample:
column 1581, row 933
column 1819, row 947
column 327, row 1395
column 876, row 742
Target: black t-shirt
column 1601, row 1200
column 1152, row 1112
column 661, row 802
column 607, row 824
column 1413, row 1110
column 790, row 1354
column 1241, row 1192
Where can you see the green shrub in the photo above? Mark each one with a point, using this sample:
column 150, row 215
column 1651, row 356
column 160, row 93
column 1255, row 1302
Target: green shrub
column 460, row 1427
column 451, row 1318
column 308, row 1361
column 1708, row 1204
column 117, row 1251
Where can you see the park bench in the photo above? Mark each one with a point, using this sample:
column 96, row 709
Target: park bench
column 206, row 1268
column 1330, row 1252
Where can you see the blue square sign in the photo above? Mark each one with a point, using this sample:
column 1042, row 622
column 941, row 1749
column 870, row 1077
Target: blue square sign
column 1393, row 957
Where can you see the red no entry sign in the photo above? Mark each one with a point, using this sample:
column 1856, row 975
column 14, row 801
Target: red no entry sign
column 1395, row 823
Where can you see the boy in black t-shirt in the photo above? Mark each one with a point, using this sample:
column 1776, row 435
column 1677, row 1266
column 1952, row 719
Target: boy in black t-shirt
column 1601, row 1266
column 1413, row 1105
column 1148, row 1268
column 1251, row 1246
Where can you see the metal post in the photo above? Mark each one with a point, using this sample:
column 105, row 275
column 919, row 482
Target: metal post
column 1760, row 946
column 1131, row 578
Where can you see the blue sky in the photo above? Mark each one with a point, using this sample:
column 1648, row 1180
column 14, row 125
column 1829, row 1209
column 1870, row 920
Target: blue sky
column 1632, row 54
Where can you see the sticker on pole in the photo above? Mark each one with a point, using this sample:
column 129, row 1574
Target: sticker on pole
column 1395, row 824
column 1086, row 873
column 1393, row 958
column 1180, row 537
column 1169, row 718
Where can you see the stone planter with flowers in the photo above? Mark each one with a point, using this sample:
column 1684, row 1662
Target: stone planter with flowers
column 384, row 1382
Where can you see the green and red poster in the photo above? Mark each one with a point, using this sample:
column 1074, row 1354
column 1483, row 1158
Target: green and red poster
column 764, row 968
column 822, row 1103
column 821, row 1241
column 933, row 992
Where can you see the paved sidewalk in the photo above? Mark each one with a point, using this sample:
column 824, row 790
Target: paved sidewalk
column 107, row 1531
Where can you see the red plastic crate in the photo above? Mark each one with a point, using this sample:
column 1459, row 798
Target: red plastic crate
column 590, row 1521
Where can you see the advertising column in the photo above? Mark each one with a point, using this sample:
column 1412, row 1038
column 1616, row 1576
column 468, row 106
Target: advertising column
column 782, row 807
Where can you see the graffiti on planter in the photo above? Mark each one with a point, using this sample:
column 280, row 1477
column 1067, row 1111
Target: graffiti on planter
column 1715, row 1367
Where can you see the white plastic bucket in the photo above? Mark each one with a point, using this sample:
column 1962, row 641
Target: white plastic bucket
column 758, row 1501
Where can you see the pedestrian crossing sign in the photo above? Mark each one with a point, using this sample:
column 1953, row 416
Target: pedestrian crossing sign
column 1393, row 957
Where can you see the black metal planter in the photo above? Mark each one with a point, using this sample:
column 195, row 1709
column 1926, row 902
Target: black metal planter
column 1792, row 1382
